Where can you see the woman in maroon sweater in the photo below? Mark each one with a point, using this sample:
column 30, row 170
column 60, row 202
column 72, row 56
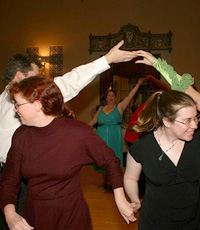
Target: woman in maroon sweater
column 49, row 150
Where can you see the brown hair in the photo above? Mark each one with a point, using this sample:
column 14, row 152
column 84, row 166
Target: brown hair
column 159, row 105
column 44, row 90
column 110, row 90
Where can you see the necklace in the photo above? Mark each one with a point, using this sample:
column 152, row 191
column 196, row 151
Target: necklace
column 164, row 152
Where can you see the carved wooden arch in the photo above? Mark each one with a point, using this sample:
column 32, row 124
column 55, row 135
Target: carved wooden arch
column 134, row 40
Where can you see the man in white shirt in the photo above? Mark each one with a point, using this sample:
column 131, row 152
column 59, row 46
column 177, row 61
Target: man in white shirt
column 70, row 84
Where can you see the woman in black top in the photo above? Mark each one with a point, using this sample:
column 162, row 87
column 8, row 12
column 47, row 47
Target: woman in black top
column 169, row 155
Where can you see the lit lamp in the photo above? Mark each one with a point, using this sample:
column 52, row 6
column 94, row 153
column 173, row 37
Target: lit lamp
column 44, row 71
column 43, row 60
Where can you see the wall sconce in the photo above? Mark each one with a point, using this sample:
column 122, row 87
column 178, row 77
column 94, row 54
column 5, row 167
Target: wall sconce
column 54, row 61
column 43, row 60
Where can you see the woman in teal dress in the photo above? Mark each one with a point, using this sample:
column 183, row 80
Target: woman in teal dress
column 109, row 129
column 109, row 118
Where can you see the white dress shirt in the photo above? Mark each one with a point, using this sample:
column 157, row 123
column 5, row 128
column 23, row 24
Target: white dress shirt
column 70, row 85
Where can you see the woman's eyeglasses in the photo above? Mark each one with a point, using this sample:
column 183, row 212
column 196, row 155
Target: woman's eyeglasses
column 18, row 105
column 190, row 120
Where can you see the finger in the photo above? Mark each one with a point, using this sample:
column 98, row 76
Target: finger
column 26, row 224
column 119, row 44
column 126, row 219
column 132, row 219
column 132, row 204
column 134, row 54
column 20, row 226
column 139, row 62
column 141, row 52
column 144, row 55
column 133, row 207
column 127, row 58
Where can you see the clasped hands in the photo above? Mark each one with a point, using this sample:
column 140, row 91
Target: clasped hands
column 128, row 210
column 135, row 208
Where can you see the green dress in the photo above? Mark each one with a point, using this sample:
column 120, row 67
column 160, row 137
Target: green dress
column 109, row 129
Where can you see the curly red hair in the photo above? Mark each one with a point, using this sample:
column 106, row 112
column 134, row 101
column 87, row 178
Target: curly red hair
column 45, row 91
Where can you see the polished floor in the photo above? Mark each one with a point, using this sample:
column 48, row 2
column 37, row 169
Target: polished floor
column 104, row 213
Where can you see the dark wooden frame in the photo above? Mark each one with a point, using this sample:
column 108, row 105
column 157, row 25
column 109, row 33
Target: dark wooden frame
column 134, row 40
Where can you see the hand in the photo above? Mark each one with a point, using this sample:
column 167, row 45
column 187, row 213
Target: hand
column 126, row 209
column 141, row 80
column 116, row 55
column 151, row 78
column 17, row 222
column 148, row 59
column 136, row 206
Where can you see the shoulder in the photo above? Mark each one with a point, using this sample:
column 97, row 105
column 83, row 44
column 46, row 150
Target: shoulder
column 22, row 130
column 141, row 146
column 75, row 125
column 79, row 130
column 100, row 108
column 4, row 96
column 143, row 140
column 118, row 107
column 20, row 135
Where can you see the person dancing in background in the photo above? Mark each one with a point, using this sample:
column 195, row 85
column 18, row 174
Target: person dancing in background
column 49, row 151
column 169, row 154
column 109, row 118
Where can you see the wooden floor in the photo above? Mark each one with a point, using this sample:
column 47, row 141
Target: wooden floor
column 103, row 211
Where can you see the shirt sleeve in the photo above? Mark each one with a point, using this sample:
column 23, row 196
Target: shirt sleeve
column 96, row 151
column 73, row 82
column 11, row 177
column 177, row 82
column 135, row 151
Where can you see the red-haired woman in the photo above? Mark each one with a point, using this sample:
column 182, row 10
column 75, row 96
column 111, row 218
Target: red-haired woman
column 49, row 150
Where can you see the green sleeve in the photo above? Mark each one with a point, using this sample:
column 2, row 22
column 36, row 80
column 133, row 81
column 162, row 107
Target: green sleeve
column 177, row 82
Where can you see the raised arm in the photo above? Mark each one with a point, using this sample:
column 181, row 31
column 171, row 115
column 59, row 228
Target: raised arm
column 93, row 121
column 115, row 55
column 194, row 94
column 177, row 82
column 181, row 83
column 73, row 82
column 123, row 104
column 157, row 82
column 148, row 59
